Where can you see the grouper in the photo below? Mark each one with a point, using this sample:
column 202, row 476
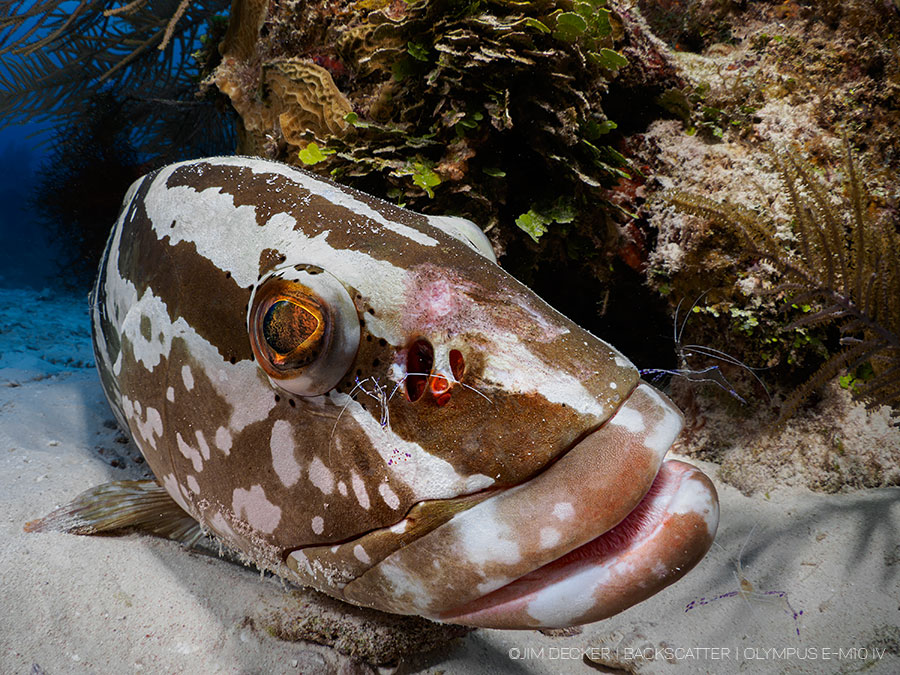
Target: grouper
column 358, row 398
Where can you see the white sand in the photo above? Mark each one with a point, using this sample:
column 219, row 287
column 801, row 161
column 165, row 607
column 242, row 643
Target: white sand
column 126, row 604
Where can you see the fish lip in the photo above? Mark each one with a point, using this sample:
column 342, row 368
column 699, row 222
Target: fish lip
column 525, row 527
column 658, row 542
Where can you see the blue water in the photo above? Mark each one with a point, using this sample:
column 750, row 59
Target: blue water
column 28, row 256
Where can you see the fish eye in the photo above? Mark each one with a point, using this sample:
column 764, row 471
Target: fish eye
column 291, row 326
column 304, row 329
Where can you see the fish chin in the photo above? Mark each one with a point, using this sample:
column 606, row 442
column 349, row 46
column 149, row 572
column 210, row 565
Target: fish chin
column 605, row 526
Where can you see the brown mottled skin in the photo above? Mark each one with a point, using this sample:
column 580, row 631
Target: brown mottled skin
column 468, row 432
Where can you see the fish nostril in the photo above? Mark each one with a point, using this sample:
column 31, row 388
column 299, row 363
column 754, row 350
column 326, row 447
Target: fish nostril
column 457, row 364
column 440, row 389
column 439, row 385
column 419, row 363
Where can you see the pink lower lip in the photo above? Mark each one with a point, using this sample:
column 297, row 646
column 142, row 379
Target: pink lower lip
column 655, row 545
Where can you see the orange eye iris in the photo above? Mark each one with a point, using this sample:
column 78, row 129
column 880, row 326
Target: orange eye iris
column 292, row 327
column 303, row 328
column 288, row 325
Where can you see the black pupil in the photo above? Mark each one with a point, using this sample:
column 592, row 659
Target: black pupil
column 287, row 325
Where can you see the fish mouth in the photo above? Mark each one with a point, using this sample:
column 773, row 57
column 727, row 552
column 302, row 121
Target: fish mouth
column 607, row 525
column 666, row 534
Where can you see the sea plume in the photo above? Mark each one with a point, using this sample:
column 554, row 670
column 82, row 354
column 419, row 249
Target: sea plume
column 846, row 265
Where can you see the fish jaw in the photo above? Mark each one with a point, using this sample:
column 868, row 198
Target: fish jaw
column 659, row 542
column 453, row 572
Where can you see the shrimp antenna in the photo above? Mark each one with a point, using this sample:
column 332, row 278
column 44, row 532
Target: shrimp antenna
column 711, row 374
column 714, row 353
column 451, row 380
column 379, row 394
column 687, row 316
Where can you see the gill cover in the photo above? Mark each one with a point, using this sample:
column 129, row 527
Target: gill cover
column 304, row 329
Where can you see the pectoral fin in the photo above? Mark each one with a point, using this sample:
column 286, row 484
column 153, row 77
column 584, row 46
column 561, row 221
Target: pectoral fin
column 139, row 505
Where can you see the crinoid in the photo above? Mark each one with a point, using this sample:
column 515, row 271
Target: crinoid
column 846, row 265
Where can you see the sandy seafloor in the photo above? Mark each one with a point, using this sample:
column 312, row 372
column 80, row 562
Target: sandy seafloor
column 136, row 604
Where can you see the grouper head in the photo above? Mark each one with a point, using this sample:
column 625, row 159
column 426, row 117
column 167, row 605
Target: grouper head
column 360, row 399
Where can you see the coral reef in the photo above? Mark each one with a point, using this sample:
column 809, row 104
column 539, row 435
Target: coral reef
column 488, row 110
column 758, row 88
column 303, row 102
column 846, row 271
column 690, row 25
column 768, row 86
column 509, row 114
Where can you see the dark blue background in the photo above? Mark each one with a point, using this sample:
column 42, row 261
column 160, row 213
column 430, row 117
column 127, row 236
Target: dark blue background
column 27, row 254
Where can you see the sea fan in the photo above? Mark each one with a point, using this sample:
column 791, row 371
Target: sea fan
column 847, row 266
column 56, row 58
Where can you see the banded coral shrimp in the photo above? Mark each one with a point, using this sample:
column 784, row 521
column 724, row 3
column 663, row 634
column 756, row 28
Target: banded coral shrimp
column 747, row 591
column 684, row 353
